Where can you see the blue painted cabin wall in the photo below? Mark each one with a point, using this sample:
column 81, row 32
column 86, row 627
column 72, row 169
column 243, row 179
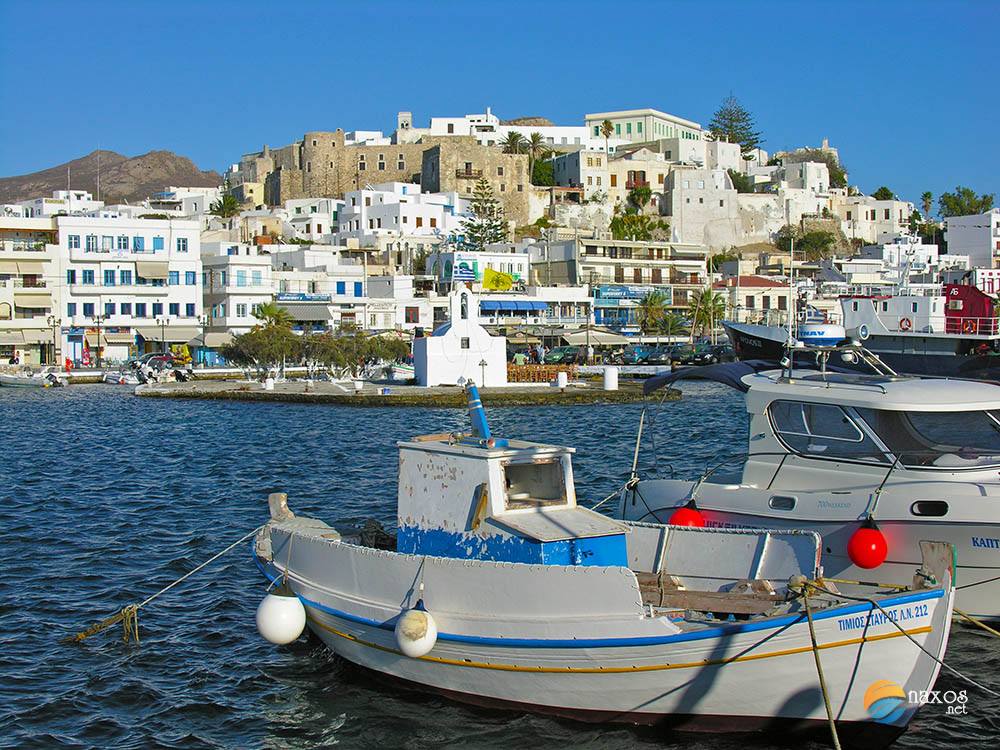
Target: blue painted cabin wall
column 599, row 550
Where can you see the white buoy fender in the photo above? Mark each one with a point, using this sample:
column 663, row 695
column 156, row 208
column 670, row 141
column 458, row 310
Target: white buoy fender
column 281, row 619
column 416, row 632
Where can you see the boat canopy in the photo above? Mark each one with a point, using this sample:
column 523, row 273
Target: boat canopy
column 727, row 373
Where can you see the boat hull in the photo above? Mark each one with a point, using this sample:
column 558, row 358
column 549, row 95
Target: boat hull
column 14, row 381
column 506, row 639
column 751, row 341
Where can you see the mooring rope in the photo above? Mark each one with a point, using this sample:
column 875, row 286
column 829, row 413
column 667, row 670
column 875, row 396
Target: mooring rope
column 902, row 630
column 129, row 614
column 976, row 622
column 630, row 483
column 819, row 672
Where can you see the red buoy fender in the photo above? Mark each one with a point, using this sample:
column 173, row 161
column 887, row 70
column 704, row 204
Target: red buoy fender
column 687, row 515
column 867, row 546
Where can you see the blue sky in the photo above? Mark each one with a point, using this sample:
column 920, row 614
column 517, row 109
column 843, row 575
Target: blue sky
column 906, row 91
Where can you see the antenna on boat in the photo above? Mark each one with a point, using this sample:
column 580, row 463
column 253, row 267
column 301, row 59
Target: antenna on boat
column 792, row 306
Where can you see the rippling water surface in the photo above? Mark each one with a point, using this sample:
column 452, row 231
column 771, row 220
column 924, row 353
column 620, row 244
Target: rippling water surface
column 105, row 498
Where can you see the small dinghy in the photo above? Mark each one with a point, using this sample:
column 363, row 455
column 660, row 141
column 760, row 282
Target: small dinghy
column 503, row 591
column 47, row 378
column 124, row 376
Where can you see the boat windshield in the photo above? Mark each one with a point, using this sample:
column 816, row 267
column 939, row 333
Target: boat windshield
column 940, row 439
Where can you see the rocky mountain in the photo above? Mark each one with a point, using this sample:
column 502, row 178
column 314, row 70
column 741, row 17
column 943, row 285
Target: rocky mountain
column 123, row 178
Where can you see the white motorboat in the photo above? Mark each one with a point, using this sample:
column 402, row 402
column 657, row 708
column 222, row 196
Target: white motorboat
column 838, row 453
column 501, row 590
column 25, row 378
column 124, row 376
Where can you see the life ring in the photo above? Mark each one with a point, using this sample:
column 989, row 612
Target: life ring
column 905, row 324
column 969, row 326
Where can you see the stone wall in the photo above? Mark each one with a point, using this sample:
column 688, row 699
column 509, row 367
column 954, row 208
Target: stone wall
column 457, row 163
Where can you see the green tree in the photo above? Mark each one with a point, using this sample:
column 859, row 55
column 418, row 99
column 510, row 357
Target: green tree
column 714, row 262
column 487, row 224
column 537, row 149
column 926, row 203
column 514, row 143
column 226, row 207
column 273, row 314
column 673, row 324
column 732, row 123
column 812, row 245
column 650, row 311
column 884, row 194
column 639, row 197
column 964, row 202
column 542, row 174
column 607, row 130
column 706, row 310
column 263, row 349
column 635, row 226
column 742, row 182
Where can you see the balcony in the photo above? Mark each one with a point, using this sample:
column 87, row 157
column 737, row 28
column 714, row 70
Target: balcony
column 23, row 246
column 633, row 184
column 469, row 174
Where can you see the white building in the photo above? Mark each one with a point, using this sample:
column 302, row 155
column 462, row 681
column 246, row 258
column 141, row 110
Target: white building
column 394, row 305
column 237, row 280
column 640, row 125
column 977, row 236
column 69, row 202
column 461, row 349
column 189, row 202
column 313, row 219
column 449, row 267
column 584, row 168
column 127, row 285
column 320, row 285
column 29, row 290
column 396, row 209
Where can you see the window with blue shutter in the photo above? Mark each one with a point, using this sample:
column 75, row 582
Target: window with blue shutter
column 125, row 278
column 109, row 277
column 140, row 309
column 88, row 309
column 71, row 309
column 157, row 243
column 190, row 278
column 88, row 276
column 157, row 309
column 189, row 309
column 341, row 287
column 70, row 276
column 125, row 308
column 174, row 278
column 109, row 309
column 138, row 244
column 175, row 309
column 358, row 291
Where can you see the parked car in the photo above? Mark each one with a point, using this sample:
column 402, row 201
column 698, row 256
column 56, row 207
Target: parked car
column 659, row 356
column 710, row 355
column 635, row 354
column 566, row 355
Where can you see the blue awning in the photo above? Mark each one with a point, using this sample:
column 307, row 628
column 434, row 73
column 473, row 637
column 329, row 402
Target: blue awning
column 539, row 305
column 489, row 306
column 524, row 306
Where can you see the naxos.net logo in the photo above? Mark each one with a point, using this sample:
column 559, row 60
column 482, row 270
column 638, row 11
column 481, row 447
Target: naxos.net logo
column 886, row 701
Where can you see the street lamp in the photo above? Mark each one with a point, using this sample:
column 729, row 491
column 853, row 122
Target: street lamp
column 97, row 320
column 55, row 322
column 162, row 323
column 203, row 321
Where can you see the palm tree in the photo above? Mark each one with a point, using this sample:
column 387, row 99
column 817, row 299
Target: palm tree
column 514, row 143
column 537, row 149
column 606, row 130
column 673, row 324
column 273, row 314
column 926, row 201
column 651, row 310
column 226, row 207
column 706, row 309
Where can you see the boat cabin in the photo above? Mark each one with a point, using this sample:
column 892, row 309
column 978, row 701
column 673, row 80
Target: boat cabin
column 479, row 497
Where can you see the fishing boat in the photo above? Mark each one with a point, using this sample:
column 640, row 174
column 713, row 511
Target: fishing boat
column 499, row 589
column 46, row 378
column 874, row 462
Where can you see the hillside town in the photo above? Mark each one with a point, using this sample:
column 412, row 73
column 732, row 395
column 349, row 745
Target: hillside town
column 631, row 226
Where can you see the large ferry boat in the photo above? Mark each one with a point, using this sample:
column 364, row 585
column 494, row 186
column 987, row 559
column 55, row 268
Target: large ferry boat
column 954, row 333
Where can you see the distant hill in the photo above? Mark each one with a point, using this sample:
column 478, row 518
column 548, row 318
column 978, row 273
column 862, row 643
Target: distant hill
column 123, row 178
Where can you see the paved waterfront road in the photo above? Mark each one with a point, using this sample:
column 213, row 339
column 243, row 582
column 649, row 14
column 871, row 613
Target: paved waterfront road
column 105, row 497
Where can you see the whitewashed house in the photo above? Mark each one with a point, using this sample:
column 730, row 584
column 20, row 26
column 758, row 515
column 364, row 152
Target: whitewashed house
column 461, row 349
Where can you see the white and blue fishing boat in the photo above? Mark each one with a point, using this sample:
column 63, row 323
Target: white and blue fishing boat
column 499, row 589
